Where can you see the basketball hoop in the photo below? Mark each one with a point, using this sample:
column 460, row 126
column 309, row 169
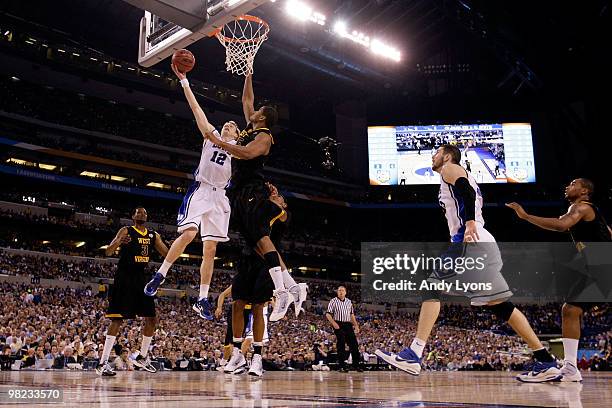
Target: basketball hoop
column 242, row 39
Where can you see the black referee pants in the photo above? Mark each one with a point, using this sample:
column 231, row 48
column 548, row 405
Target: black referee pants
column 346, row 335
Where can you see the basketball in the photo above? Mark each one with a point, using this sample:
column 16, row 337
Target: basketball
column 183, row 60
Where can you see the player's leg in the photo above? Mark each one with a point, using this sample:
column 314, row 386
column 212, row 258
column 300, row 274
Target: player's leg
column 104, row 369
column 176, row 249
column 237, row 359
column 283, row 298
column 299, row 291
column 256, row 368
column 227, row 344
column 409, row 359
column 148, row 331
column 570, row 327
column 545, row 367
column 203, row 306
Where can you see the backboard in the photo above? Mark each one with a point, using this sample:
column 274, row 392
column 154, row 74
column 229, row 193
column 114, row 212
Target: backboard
column 169, row 25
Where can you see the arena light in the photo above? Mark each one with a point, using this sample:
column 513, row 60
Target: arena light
column 304, row 12
column 104, row 247
column 377, row 47
column 79, row 244
column 385, row 50
column 159, row 185
column 118, row 178
column 47, row 166
column 46, row 242
column 91, row 174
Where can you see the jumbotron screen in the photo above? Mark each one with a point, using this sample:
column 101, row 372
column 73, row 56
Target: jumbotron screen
column 495, row 153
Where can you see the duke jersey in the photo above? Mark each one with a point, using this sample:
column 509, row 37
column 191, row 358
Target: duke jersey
column 215, row 166
column 452, row 203
column 135, row 254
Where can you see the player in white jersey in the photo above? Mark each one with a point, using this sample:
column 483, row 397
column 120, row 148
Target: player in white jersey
column 462, row 201
column 205, row 207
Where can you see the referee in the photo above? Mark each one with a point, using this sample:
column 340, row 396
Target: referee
column 340, row 315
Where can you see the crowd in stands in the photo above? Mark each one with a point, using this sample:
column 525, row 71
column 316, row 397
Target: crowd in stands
column 107, row 116
column 68, row 326
column 91, row 270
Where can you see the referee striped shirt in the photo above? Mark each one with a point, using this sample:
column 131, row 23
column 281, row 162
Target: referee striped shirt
column 340, row 310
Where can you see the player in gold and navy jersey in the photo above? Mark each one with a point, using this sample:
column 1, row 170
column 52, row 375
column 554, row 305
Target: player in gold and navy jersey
column 586, row 225
column 127, row 300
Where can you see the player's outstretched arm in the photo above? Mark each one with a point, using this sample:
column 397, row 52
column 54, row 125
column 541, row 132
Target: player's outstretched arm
column 221, row 299
column 574, row 214
column 160, row 245
column 198, row 112
column 260, row 146
column 248, row 98
column 122, row 237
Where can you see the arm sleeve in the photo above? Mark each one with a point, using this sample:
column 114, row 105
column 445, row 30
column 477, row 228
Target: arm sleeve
column 330, row 307
column 469, row 197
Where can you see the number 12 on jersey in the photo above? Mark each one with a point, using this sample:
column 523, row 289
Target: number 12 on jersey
column 218, row 157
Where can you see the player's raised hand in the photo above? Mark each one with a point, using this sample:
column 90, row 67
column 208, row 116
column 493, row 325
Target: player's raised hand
column 522, row 214
column 218, row 312
column 272, row 188
column 471, row 232
column 178, row 73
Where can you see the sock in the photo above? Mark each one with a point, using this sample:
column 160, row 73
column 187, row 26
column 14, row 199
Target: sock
column 164, row 268
column 203, row 291
column 108, row 346
column 418, row 346
column 257, row 346
column 288, row 280
column 276, row 274
column 570, row 350
column 144, row 348
column 543, row 355
column 237, row 341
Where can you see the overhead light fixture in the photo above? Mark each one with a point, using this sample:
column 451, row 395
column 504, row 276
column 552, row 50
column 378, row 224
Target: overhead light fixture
column 47, row 166
column 304, row 12
column 158, row 185
column 385, row 50
column 79, row 244
column 118, row 178
column 91, row 174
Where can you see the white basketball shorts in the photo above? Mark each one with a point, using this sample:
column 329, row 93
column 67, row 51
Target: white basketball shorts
column 207, row 208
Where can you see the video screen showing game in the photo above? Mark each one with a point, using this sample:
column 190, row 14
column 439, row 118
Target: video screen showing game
column 492, row 153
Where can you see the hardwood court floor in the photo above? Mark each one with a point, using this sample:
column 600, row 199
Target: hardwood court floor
column 276, row 389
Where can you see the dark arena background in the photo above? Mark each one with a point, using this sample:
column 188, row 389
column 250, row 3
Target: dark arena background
column 88, row 134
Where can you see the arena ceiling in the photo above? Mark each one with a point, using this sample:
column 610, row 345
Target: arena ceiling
column 448, row 46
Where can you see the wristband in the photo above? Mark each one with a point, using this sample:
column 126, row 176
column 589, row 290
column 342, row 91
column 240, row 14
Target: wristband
column 184, row 82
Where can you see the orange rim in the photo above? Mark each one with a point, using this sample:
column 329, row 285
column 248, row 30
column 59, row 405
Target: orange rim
column 243, row 17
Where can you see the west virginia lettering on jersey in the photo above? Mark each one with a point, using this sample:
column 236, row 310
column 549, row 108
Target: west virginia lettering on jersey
column 140, row 259
column 144, row 241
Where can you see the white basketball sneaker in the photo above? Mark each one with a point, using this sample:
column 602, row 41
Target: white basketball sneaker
column 302, row 292
column 237, row 361
column 283, row 300
column 570, row 372
column 256, row 366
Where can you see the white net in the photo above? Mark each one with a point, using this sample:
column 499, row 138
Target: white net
column 242, row 39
